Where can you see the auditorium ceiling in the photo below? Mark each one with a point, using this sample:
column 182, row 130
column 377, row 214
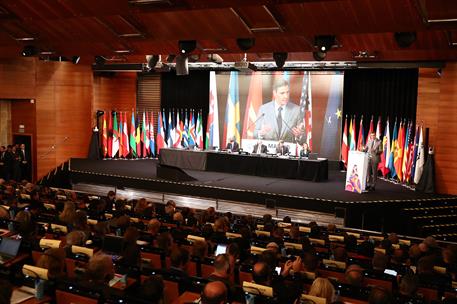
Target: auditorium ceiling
column 127, row 30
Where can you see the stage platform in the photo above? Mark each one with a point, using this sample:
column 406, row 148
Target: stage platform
column 379, row 210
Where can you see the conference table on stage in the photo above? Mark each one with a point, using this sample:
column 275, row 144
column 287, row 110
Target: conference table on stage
column 253, row 164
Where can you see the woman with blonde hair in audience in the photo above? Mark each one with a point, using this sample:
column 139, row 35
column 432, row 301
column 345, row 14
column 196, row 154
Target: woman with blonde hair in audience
column 322, row 288
column 68, row 214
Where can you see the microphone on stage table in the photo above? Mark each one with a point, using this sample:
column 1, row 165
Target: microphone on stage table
column 255, row 121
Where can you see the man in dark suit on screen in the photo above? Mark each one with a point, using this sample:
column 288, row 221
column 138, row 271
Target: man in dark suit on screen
column 374, row 150
column 279, row 118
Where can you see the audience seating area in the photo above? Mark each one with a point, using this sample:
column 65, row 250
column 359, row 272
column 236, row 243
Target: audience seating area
column 81, row 248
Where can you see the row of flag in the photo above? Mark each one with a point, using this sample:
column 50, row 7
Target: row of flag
column 182, row 130
column 403, row 154
column 118, row 141
column 232, row 121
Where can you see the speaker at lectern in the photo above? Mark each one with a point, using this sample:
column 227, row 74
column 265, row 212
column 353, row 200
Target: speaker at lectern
column 356, row 175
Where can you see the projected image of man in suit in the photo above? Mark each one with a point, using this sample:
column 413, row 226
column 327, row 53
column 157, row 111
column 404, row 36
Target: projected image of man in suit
column 280, row 119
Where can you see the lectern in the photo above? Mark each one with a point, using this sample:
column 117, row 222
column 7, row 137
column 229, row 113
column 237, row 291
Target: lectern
column 356, row 175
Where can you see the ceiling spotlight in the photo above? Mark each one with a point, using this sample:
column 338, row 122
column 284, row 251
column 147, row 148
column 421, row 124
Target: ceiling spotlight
column 187, row 46
column 75, row 59
column 405, row 39
column 29, row 50
column 245, row 43
column 280, row 58
column 319, row 56
column 324, row 42
column 100, row 60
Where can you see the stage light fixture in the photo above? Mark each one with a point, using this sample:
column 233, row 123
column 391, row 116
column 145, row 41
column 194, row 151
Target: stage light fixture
column 187, row 46
column 324, row 42
column 319, row 55
column 100, row 113
column 152, row 60
column 100, row 60
column 29, row 50
column 182, row 65
column 75, row 59
column 405, row 39
column 245, row 43
column 280, row 58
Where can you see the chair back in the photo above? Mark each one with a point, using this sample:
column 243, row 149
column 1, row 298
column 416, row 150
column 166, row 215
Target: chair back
column 63, row 297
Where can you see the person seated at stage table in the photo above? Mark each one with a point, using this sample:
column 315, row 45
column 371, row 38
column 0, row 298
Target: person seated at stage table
column 233, row 146
column 260, row 148
column 304, row 152
column 281, row 148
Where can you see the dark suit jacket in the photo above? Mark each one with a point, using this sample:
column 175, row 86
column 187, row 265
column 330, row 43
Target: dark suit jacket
column 304, row 153
column 234, row 147
column 282, row 150
column 263, row 149
column 267, row 116
column 374, row 149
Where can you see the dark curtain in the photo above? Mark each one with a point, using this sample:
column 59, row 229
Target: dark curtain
column 387, row 92
column 186, row 92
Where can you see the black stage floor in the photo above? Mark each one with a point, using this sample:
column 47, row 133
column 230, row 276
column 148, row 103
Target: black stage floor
column 332, row 190
column 379, row 207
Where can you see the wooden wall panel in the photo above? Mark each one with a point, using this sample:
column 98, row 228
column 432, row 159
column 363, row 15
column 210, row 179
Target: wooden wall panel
column 17, row 78
column 115, row 92
column 66, row 96
column 437, row 109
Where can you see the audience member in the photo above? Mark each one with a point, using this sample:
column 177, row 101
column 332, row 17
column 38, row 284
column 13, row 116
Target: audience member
column 322, row 288
column 214, row 293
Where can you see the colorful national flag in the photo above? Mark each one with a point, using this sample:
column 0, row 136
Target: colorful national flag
column 212, row 125
column 393, row 151
column 160, row 133
column 385, row 155
column 178, row 132
column 352, row 143
column 409, row 163
column 344, row 145
column 110, row 134
column 185, row 131
column 121, row 138
column 232, row 125
column 170, row 130
column 152, row 144
column 306, row 108
column 132, row 136
column 192, row 135
column 415, row 152
column 144, row 136
column 115, row 148
column 398, row 159
column 138, row 136
column 253, row 104
column 378, row 128
column 199, row 130
column 125, row 135
column 406, row 153
column 420, row 160
column 105, row 136
column 361, row 139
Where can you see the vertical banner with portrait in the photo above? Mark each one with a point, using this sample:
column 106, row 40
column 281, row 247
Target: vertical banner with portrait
column 356, row 175
column 301, row 108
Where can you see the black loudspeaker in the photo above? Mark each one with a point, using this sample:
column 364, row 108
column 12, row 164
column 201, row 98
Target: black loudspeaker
column 173, row 173
column 270, row 203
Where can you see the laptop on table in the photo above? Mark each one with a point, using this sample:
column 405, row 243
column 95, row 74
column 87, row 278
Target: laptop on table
column 8, row 249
